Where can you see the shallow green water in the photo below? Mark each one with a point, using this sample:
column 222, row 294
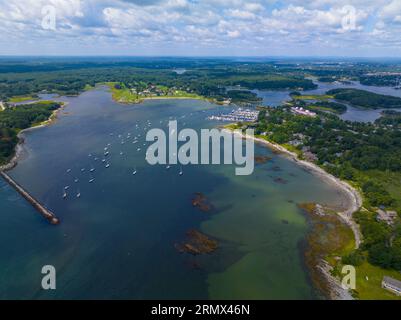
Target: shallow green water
column 117, row 240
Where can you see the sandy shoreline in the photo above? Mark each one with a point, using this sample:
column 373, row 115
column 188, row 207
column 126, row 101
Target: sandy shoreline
column 355, row 203
column 19, row 148
column 353, row 195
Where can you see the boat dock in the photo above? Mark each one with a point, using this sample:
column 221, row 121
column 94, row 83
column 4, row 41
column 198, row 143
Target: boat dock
column 238, row 115
column 46, row 213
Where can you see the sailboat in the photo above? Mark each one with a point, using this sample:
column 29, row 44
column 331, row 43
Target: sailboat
column 79, row 194
column 181, row 172
column 91, row 180
column 107, row 165
column 92, row 169
column 64, row 194
column 134, row 173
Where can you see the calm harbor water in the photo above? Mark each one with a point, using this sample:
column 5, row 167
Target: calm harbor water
column 118, row 239
column 276, row 98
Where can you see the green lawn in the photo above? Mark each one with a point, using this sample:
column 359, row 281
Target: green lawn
column 313, row 97
column 17, row 99
column 88, row 87
column 320, row 108
column 125, row 95
column 370, row 288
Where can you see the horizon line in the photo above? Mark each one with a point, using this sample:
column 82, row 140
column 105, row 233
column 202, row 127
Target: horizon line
column 204, row 56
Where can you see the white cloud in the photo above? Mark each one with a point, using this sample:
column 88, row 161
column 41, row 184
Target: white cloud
column 239, row 14
column 293, row 25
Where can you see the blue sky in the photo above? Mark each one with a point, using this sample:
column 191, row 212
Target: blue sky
column 201, row 27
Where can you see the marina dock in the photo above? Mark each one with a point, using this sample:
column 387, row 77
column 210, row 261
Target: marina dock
column 238, row 115
column 46, row 213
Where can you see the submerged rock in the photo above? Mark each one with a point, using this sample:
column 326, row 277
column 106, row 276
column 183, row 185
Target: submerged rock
column 197, row 243
column 312, row 208
column 280, row 180
column 201, row 202
column 309, row 207
column 262, row 159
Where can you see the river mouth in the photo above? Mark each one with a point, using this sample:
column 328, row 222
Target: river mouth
column 117, row 240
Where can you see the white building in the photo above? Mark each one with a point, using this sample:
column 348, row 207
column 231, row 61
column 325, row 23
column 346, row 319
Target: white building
column 387, row 216
column 303, row 112
column 392, row 285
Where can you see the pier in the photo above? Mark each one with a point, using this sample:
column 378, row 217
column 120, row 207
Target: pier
column 238, row 115
column 46, row 213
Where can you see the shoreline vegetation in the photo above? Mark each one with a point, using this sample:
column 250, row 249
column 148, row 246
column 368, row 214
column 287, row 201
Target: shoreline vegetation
column 18, row 149
column 370, row 183
column 124, row 95
column 332, row 285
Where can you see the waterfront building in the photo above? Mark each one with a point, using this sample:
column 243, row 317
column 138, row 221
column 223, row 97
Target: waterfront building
column 238, row 115
column 303, row 112
column 392, row 285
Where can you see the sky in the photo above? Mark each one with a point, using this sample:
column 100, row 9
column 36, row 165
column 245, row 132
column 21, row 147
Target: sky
column 358, row 28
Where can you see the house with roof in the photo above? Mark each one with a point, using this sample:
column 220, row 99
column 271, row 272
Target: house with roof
column 392, row 285
column 388, row 217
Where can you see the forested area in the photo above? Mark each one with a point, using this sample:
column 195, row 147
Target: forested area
column 14, row 119
column 381, row 80
column 350, row 151
column 209, row 79
column 365, row 99
column 390, row 118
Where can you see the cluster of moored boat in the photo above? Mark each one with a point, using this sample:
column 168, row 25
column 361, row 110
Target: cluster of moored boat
column 105, row 157
column 237, row 115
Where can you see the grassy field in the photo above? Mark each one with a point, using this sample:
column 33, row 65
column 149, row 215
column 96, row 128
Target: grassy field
column 313, row 97
column 368, row 282
column 320, row 108
column 88, row 87
column 125, row 95
column 22, row 99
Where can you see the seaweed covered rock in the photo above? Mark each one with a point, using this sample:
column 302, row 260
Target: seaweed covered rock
column 197, row 243
column 201, row 202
